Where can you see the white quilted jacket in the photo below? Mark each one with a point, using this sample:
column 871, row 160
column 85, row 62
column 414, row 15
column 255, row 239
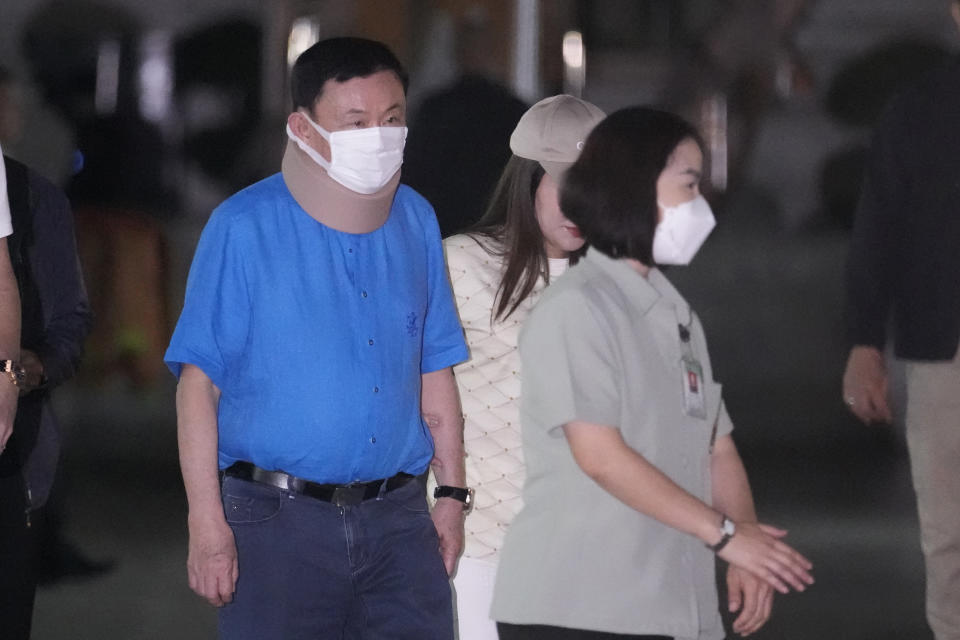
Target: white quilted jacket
column 490, row 392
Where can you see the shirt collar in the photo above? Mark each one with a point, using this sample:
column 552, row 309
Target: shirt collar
column 643, row 292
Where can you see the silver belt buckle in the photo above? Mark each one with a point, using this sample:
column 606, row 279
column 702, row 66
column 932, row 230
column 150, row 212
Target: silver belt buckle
column 348, row 496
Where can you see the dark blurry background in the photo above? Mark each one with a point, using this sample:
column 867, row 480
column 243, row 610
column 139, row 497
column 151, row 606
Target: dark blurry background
column 150, row 113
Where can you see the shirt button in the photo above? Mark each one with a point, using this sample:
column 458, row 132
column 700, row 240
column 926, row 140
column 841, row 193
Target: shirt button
column 376, row 389
column 363, row 293
column 370, row 342
column 373, row 440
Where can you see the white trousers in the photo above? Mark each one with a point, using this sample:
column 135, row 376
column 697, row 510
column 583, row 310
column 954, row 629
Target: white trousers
column 473, row 594
column 933, row 438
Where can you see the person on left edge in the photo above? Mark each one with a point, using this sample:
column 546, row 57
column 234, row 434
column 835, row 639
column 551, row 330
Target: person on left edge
column 314, row 356
column 17, row 582
column 55, row 318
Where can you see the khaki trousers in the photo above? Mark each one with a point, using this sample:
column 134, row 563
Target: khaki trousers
column 933, row 438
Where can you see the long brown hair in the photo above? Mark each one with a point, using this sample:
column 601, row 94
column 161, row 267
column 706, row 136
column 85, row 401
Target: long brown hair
column 511, row 221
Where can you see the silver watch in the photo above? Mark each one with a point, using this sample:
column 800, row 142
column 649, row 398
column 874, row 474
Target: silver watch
column 727, row 529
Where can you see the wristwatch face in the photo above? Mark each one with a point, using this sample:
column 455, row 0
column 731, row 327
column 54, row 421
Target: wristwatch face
column 729, row 528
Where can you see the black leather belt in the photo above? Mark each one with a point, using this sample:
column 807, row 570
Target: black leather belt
column 341, row 495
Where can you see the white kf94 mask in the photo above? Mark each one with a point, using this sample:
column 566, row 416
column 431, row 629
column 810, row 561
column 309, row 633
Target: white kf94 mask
column 682, row 231
column 362, row 160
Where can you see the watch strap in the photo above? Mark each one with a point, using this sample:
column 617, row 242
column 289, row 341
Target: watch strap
column 463, row 494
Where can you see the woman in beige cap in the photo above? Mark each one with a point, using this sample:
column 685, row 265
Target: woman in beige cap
column 498, row 269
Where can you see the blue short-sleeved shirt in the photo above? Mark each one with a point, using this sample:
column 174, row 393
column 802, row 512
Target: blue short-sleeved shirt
column 317, row 338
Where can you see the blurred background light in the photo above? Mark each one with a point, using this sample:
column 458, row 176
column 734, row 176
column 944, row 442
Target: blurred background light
column 574, row 63
column 304, row 32
column 526, row 55
column 108, row 77
column 155, row 77
column 714, row 119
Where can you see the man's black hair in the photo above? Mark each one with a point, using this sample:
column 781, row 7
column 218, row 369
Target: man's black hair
column 339, row 59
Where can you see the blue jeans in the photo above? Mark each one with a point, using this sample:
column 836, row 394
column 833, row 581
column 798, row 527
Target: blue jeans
column 310, row 569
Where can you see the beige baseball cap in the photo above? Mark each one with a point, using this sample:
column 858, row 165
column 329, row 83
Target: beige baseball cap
column 552, row 132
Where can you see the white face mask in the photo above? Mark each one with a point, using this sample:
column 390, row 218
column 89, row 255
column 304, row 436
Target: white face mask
column 362, row 160
column 682, row 231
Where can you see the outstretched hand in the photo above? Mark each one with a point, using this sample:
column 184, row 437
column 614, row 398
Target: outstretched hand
column 759, row 550
column 749, row 595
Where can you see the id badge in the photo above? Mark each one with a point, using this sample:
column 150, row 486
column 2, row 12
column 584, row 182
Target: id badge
column 694, row 401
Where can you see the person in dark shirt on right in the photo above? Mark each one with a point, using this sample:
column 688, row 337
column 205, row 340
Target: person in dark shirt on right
column 905, row 262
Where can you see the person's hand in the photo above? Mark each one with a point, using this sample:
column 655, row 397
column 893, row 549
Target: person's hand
column 749, row 595
column 212, row 561
column 758, row 549
column 8, row 410
column 33, row 370
column 865, row 385
column 447, row 517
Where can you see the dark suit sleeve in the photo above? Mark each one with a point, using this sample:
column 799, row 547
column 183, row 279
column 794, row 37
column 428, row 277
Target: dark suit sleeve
column 59, row 280
column 873, row 249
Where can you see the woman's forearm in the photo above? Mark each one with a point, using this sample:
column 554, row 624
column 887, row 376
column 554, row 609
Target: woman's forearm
column 602, row 454
column 731, row 488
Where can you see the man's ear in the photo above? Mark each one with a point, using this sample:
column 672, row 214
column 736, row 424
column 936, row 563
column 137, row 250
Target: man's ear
column 299, row 125
column 955, row 12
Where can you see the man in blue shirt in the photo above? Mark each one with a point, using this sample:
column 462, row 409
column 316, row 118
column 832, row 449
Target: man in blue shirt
column 314, row 353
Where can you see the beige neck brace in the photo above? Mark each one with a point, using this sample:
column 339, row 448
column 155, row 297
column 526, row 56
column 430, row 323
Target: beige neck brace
column 329, row 202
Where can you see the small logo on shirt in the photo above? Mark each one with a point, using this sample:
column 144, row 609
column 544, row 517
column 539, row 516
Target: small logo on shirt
column 412, row 329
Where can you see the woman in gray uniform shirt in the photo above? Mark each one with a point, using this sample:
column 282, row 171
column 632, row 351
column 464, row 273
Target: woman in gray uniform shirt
column 633, row 479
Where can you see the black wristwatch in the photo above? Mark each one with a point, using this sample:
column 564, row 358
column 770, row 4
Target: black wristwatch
column 464, row 495
column 14, row 371
column 727, row 529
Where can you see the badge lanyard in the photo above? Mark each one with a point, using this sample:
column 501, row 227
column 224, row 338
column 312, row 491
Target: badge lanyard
column 694, row 402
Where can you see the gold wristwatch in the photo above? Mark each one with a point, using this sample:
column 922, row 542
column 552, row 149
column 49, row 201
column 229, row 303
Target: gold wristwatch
column 14, row 371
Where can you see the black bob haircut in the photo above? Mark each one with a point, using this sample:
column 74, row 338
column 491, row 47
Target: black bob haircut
column 610, row 193
column 339, row 59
